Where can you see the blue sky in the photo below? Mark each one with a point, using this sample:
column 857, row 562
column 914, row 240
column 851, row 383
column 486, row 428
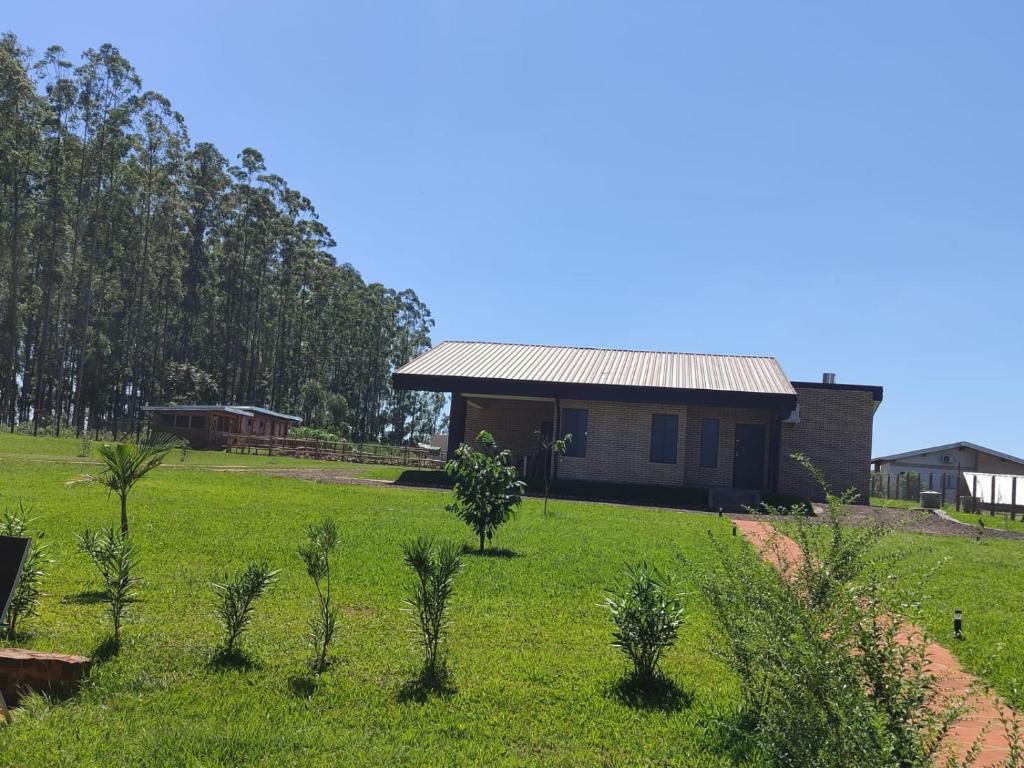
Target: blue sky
column 838, row 185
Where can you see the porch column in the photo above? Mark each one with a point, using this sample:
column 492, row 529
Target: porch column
column 456, row 423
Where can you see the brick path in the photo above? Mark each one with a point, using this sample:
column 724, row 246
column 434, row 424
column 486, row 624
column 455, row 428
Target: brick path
column 782, row 552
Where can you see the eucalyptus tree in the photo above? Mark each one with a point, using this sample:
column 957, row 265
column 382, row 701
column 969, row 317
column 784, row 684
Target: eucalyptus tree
column 125, row 250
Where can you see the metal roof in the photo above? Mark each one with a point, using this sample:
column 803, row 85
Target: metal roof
column 488, row 361
column 236, row 410
column 949, row 447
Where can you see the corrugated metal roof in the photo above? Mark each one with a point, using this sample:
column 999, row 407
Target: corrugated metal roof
column 237, row 410
column 608, row 367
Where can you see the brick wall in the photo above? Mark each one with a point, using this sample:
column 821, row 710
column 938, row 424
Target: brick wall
column 728, row 418
column 834, row 431
column 513, row 423
column 619, row 444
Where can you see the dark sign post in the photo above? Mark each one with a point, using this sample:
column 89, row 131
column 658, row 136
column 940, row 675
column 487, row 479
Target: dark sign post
column 13, row 551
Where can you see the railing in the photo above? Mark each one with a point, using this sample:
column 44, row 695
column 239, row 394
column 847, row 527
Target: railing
column 364, row 453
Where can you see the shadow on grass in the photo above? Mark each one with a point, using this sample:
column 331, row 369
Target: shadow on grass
column 106, row 650
column 498, row 552
column 426, row 685
column 89, row 597
column 660, row 693
column 223, row 659
column 303, row 686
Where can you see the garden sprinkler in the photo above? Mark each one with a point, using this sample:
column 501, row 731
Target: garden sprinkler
column 958, row 624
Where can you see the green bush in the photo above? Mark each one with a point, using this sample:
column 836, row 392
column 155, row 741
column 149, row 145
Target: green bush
column 825, row 678
column 322, row 542
column 487, row 487
column 116, row 559
column 434, row 569
column 647, row 610
column 236, row 598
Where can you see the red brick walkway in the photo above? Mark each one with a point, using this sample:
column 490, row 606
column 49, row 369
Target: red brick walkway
column 783, row 553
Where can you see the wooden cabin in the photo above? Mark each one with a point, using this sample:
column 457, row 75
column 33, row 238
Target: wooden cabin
column 211, row 426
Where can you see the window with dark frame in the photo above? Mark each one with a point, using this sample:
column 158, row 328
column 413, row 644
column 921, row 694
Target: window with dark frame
column 181, row 420
column 664, row 438
column 198, row 422
column 709, row 429
column 166, row 419
column 574, row 422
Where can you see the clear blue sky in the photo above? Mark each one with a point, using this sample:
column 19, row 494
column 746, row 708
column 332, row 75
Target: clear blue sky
column 840, row 187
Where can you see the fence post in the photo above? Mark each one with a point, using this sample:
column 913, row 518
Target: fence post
column 1013, row 498
column 992, row 505
column 888, row 485
column 974, row 494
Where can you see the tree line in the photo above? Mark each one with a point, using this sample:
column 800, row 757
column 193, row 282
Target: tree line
column 138, row 267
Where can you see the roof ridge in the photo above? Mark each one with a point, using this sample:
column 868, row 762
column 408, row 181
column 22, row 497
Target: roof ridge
column 604, row 349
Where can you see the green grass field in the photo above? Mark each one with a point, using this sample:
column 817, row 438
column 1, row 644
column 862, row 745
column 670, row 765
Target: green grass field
column 533, row 669
column 530, row 652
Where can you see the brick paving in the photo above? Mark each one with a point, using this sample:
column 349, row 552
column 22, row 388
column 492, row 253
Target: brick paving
column 984, row 715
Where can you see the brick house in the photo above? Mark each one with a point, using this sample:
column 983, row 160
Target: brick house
column 211, row 426
column 721, row 422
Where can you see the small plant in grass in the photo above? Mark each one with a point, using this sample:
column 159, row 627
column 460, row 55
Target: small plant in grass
column 487, row 487
column 116, row 560
column 85, row 449
column 435, row 568
column 322, row 542
column 647, row 610
column 28, row 593
column 236, row 598
column 124, row 464
column 551, row 448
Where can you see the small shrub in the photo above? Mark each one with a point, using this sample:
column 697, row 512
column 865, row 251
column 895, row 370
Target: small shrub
column 236, row 596
column 85, row 449
column 116, row 559
column 487, row 487
column 434, row 569
column 28, row 593
column 316, row 553
column 551, row 449
column 647, row 610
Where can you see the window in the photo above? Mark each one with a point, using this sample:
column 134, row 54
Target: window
column 709, row 443
column 198, row 422
column 166, row 419
column 181, row 420
column 574, row 422
column 664, row 438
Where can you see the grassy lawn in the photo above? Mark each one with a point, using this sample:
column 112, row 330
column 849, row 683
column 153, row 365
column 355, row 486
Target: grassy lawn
column 48, row 449
column 530, row 652
column 999, row 520
column 878, row 501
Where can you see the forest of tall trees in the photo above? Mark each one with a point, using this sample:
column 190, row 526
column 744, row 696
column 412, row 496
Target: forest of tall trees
column 137, row 267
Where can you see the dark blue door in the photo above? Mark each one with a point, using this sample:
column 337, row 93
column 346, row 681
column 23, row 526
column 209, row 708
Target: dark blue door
column 748, row 460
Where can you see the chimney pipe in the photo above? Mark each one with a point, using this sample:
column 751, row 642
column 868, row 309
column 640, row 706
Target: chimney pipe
column 828, row 378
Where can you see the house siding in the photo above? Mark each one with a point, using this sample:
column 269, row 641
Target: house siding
column 728, row 418
column 619, row 444
column 834, row 431
column 513, row 423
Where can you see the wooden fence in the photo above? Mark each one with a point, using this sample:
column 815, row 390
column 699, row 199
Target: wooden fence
column 364, row 453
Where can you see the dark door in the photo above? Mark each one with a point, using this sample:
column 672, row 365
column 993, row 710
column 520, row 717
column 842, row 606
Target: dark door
column 748, row 460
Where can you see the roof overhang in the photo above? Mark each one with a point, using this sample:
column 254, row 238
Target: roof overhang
column 874, row 389
column 576, row 391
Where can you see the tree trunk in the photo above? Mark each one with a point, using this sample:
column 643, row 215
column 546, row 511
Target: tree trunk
column 124, row 514
column 481, row 541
